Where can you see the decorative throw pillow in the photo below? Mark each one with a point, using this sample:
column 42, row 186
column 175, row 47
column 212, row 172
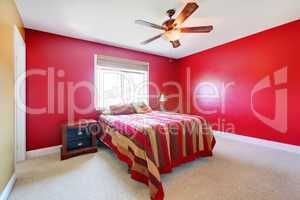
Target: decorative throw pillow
column 122, row 109
column 141, row 108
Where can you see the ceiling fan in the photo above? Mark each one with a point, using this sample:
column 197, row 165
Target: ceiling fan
column 172, row 28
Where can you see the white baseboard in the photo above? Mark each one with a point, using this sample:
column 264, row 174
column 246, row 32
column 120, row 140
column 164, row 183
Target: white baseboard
column 43, row 152
column 266, row 143
column 8, row 188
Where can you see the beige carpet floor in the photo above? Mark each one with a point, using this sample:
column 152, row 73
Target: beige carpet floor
column 238, row 171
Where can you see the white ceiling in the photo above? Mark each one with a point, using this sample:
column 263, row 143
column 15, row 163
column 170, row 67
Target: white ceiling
column 112, row 21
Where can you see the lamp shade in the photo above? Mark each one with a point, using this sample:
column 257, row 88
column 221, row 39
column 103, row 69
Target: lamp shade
column 162, row 98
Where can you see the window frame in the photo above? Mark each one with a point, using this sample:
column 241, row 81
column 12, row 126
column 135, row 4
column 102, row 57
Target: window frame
column 97, row 101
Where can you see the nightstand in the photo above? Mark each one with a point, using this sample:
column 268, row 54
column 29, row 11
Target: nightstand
column 79, row 138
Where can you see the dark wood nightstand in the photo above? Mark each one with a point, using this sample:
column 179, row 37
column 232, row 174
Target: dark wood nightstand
column 79, row 138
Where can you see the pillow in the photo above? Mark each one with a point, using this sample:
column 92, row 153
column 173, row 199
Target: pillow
column 121, row 109
column 106, row 111
column 141, row 108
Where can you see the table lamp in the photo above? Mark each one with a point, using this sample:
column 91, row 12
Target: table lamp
column 162, row 100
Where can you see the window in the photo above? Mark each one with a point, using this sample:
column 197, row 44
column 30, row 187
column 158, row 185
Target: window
column 119, row 82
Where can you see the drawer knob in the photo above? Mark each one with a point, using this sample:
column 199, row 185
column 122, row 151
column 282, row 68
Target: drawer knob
column 80, row 144
column 80, row 133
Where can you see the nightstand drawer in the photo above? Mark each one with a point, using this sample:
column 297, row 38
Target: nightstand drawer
column 73, row 133
column 79, row 138
column 79, row 143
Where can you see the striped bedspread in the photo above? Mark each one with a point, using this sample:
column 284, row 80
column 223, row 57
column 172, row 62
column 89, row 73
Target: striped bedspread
column 154, row 143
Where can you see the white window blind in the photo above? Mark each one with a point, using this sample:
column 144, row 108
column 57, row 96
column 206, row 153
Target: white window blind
column 120, row 81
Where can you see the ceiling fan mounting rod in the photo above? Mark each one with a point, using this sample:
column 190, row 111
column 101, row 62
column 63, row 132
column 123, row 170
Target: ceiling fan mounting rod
column 171, row 12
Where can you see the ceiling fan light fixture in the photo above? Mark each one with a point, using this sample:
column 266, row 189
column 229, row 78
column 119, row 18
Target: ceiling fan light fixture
column 172, row 35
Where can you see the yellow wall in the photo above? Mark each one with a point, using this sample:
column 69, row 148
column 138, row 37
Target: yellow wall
column 8, row 18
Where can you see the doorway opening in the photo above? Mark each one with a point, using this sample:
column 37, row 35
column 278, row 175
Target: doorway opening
column 20, row 96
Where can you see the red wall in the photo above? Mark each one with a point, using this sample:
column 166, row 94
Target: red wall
column 245, row 62
column 76, row 58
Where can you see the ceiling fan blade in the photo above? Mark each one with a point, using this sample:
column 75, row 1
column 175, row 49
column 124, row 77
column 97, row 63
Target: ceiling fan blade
column 149, row 24
column 152, row 39
column 175, row 43
column 186, row 12
column 198, row 29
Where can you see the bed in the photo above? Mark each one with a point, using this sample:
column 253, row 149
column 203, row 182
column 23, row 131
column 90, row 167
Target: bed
column 153, row 143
